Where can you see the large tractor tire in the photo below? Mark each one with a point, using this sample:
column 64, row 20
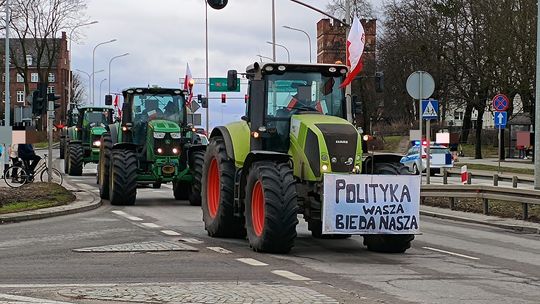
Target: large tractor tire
column 75, row 162
column 181, row 190
column 270, row 207
column 123, row 177
column 196, row 171
column 389, row 243
column 104, row 170
column 218, row 193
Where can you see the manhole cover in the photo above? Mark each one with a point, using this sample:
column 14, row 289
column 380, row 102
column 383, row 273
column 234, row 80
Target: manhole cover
column 140, row 247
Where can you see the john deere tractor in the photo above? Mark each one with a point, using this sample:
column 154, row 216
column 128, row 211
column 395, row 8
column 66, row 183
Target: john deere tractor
column 150, row 145
column 260, row 172
column 83, row 140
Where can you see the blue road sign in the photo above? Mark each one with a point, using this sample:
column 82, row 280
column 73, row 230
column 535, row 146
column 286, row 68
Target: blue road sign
column 500, row 120
column 430, row 109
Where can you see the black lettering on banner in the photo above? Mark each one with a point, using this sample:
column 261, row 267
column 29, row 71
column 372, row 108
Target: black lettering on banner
column 350, row 193
column 340, row 185
column 358, row 197
column 400, row 209
column 339, row 221
column 393, row 192
column 351, row 223
column 398, row 223
column 373, row 186
column 384, row 188
column 405, row 192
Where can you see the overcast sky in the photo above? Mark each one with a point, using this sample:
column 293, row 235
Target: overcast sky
column 163, row 35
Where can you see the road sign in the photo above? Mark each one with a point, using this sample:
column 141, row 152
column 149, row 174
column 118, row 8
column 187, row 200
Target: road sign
column 500, row 103
column 420, row 79
column 194, row 106
column 500, row 119
column 430, row 109
column 220, row 85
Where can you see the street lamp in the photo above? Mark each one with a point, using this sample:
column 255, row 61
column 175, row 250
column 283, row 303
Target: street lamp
column 309, row 38
column 100, row 83
column 94, row 64
column 261, row 57
column 89, row 80
column 70, row 77
column 286, row 49
column 110, row 61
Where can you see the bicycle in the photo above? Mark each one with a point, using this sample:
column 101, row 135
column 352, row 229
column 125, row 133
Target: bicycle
column 17, row 175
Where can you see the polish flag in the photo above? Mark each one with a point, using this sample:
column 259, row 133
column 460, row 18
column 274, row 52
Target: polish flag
column 187, row 79
column 115, row 103
column 355, row 48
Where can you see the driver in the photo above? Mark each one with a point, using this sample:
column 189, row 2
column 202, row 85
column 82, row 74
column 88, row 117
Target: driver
column 151, row 109
column 302, row 98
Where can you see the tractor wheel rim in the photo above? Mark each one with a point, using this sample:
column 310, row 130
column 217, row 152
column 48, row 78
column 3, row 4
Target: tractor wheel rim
column 213, row 193
column 257, row 209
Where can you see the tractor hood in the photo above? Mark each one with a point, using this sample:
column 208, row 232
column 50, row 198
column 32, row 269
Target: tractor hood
column 97, row 130
column 330, row 144
column 163, row 126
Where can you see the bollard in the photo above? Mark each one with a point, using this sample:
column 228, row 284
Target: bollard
column 514, row 181
column 486, row 206
column 469, row 178
column 495, row 179
column 452, row 203
column 445, row 176
column 525, row 211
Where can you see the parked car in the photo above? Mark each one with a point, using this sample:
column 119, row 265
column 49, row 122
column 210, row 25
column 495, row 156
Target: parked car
column 200, row 139
column 441, row 157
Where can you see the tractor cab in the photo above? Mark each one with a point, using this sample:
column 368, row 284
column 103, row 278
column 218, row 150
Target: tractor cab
column 93, row 122
column 280, row 91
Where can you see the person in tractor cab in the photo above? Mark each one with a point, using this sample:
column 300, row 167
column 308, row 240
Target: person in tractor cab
column 151, row 109
column 302, row 99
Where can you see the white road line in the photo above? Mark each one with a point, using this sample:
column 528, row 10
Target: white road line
column 122, row 213
column 4, row 296
column 219, row 249
column 129, row 217
column 290, row 275
column 451, row 253
column 191, row 240
column 251, row 262
column 150, row 225
column 133, row 218
column 170, row 232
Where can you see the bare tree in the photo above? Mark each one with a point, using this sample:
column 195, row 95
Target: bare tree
column 359, row 8
column 79, row 91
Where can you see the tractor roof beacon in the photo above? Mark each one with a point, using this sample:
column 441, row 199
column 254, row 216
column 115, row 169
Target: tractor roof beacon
column 152, row 144
column 260, row 172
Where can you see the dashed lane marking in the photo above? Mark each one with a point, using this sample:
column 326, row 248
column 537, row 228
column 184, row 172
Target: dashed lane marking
column 219, row 249
column 170, row 232
column 290, row 275
column 4, row 296
column 191, row 240
column 150, row 225
column 134, row 218
column 452, row 253
column 129, row 217
column 251, row 262
column 118, row 212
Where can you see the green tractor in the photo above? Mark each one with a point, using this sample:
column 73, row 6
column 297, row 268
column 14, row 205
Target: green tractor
column 260, row 172
column 151, row 145
column 83, row 140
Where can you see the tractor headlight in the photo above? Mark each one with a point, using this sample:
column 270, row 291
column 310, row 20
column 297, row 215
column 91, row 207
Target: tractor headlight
column 324, row 167
column 159, row 150
column 176, row 135
column 97, row 143
column 175, row 150
column 159, row 135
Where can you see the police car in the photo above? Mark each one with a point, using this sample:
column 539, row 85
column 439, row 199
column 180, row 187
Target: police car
column 441, row 157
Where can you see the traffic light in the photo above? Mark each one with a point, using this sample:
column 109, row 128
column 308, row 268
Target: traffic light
column 217, row 4
column 223, row 98
column 54, row 98
column 108, row 100
column 38, row 103
column 204, row 102
column 379, row 82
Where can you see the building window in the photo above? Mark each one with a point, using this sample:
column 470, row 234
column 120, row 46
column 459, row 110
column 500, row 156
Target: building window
column 51, row 77
column 20, row 78
column 20, row 96
column 28, row 60
column 50, row 90
column 34, row 77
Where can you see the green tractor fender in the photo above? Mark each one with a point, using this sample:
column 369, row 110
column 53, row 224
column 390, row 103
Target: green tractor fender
column 237, row 138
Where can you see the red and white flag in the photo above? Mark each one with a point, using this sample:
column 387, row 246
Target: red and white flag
column 187, row 79
column 355, row 48
column 117, row 107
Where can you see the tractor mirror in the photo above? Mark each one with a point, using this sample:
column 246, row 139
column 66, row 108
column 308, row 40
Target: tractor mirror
column 108, row 100
column 232, row 80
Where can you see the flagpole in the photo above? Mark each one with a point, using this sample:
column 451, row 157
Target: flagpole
column 206, row 59
column 348, row 88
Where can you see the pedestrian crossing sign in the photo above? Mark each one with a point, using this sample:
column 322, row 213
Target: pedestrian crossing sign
column 430, row 109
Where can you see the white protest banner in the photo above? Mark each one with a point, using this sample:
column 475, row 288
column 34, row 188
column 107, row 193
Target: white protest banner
column 371, row 204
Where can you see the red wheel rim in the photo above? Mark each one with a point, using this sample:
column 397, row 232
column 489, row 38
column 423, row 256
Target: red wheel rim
column 257, row 209
column 213, row 192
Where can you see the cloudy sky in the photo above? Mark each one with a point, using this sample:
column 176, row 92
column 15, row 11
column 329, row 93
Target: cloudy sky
column 163, row 35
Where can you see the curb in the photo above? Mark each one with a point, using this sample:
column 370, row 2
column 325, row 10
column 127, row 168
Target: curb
column 469, row 220
column 84, row 201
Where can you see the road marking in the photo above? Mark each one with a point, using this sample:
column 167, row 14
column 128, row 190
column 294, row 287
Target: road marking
column 451, row 253
column 129, row 217
column 219, row 250
column 133, row 218
column 150, row 225
column 191, row 240
column 29, row 300
column 251, row 262
column 290, row 275
column 170, row 232
column 122, row 213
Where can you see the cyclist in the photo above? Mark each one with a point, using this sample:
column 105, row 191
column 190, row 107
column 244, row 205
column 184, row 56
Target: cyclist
column 28, row 156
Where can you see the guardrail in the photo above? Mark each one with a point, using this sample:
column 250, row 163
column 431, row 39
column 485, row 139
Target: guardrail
column 495, row 177
column 486, row 193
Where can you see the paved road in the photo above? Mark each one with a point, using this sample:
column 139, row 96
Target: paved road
column 95, row 257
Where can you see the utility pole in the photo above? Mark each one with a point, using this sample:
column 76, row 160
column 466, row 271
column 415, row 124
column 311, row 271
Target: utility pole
column 348, row 89
column 537, row 107
column 7, row 112
column 274, row 30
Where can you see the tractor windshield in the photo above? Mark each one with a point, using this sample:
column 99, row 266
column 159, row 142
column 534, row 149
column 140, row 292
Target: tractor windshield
column 96, row 118
column 296, row 92
column 148, row 107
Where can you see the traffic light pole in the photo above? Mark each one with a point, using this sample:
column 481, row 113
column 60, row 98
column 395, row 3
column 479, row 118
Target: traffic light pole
column 50, row 118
